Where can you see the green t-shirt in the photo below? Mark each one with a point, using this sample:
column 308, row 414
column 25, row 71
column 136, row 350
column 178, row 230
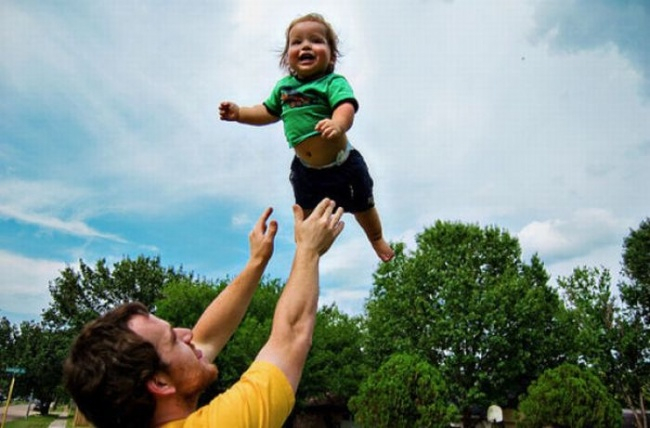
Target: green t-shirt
column 302, row 104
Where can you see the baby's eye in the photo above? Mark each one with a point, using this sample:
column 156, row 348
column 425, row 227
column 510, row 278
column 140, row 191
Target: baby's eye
column 295, row 42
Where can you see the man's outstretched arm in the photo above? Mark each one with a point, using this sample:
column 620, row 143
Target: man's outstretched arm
column 295, row 313
column 222, row 317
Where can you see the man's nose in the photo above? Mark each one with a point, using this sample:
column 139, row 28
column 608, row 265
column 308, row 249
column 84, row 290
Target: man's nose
column 185, row 334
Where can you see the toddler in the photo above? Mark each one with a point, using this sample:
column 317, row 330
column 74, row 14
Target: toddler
column 317, row 108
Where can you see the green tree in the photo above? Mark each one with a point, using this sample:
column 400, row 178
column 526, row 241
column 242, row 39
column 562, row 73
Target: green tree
column 591, row 318
column 634, row 326
column 6, row 342
column 182, row 302
column 8, row 333
column 632, row 372
column 636, row 268
column 334, row 366
column 569, row 397
column 613, row 345
column 334, row 369
column 465, row 302
column 249, row 337
column 405, row 392
column 40, row 351
column 79, row 296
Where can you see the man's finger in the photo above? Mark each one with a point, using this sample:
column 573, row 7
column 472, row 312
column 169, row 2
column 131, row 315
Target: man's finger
column 265, row 216
column 326, row 205
column 273, row 228
column 298, row 213
column 336, row 217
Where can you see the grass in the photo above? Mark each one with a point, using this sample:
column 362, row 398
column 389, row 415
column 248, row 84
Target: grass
column 34, row 421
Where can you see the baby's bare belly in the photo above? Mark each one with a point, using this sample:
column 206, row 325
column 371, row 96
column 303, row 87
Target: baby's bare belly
column 317, row 151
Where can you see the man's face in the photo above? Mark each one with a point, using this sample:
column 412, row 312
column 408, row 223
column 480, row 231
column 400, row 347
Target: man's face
column 187, row 370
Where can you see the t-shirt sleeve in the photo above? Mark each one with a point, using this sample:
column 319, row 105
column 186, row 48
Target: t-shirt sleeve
column 273, row 103
column 340, row 91
column 262, row 398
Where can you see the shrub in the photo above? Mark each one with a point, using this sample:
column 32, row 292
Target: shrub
column 569, row 396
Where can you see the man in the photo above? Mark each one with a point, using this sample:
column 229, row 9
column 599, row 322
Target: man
column 132, row 369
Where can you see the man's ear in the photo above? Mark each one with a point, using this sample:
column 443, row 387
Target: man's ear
column 160, row 385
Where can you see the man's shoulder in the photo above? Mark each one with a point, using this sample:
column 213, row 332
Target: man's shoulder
column 262, row 386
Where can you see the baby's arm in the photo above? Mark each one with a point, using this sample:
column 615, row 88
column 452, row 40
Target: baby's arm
column 339, row 124
column 255, row 115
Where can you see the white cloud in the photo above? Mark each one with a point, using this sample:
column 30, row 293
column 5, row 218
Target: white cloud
column 596, row 24
column 576, row 236
column 24, row 287
column 241, row 219
column 42, row 204
column 467, row 113
column 77, row 228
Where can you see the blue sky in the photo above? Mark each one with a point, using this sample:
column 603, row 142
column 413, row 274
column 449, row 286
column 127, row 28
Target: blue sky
column 533, row 116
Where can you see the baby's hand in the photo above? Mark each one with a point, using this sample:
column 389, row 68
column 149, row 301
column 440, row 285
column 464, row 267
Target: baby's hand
column 229, row 111
column 328, row 129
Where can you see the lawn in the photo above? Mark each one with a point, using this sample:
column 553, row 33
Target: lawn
column 35, row 421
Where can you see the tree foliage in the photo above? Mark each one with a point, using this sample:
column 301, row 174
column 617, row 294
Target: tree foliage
column 462, row 302
column 182, row 302
column 79, row 296
column 634, row 326
column 591, row 318
column 334, row 368
column 569, row 397
column 8, row 333
column 40, row 351
column 250, row 336
column 465, row 302
column 635, row 291
column 405, row 392
column 636, row 267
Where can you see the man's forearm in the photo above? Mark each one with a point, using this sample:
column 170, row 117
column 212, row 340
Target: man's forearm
column 296, row 309
column 222, row 317
column 294, row 319
column 295, row 313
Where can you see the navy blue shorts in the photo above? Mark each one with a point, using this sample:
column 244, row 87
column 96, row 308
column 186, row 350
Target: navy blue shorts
column 348, row 184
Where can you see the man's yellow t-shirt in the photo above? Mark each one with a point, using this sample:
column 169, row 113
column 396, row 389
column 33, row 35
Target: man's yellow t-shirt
column 262, row 398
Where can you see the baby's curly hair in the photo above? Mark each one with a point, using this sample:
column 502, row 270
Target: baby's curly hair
column 330, row 35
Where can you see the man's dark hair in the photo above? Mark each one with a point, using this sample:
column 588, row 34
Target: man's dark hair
column 108, row 368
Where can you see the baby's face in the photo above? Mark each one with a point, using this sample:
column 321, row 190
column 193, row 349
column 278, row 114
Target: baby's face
column 309, row 54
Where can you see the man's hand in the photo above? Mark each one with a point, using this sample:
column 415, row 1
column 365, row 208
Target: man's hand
column 223, row 315
column 262, row 237
column 295, row 314
column 229, row 111
column 320, row 229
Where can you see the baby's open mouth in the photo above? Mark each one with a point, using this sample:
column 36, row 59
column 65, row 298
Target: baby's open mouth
column 306, row 56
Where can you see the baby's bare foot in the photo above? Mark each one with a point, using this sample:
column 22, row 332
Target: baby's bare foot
column 383, row 250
